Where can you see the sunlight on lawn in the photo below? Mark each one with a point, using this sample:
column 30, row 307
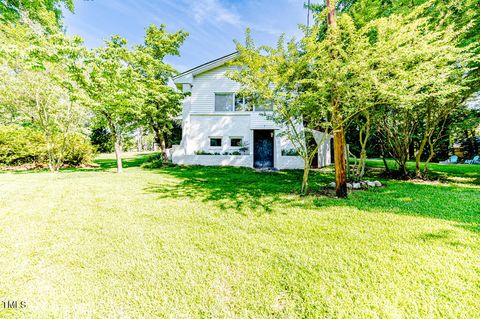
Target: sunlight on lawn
column 231, row 243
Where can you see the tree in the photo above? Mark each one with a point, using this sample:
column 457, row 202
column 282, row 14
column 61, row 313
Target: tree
column 38, row 82
column 113, row 87
column 463, row 17
column 47, row 13
column 273, row 78
column 316, row 85
column 161, row 103
column 424, row 79
column 338, row 133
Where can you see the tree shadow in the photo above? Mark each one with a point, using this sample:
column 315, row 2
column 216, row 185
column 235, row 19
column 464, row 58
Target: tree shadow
column 110, row 163
column 236, row 188
column 102, row 165
column 447, row 173
column 453, row 203
column 239, row 189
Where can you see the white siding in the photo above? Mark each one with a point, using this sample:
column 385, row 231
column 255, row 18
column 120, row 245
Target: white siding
column 261, row 121
column 214, row 160
column 206, row 85
column 200, row 122
column 202, row 127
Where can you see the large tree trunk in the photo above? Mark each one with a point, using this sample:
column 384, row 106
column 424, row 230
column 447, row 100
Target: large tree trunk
column 118, row 154
column 160, row 137
column 430, row 157
column 340, row 169
column 51, row 157
column 117, row 140
column 338, row 134
column 402, row 168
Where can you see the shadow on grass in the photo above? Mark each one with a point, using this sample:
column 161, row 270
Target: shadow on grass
column 104, row 164
column 110, row 163
column 237, row 189
column 455, row 173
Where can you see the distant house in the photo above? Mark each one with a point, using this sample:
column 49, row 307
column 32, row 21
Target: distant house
column 221, row 128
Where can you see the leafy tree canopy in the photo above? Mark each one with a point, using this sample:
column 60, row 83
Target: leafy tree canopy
column 46, row 12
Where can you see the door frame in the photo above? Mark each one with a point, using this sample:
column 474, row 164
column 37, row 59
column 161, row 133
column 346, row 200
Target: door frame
column 272, row 131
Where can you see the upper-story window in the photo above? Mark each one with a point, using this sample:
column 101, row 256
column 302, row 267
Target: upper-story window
column 264, row 106
column 224, row 102
column 242, row 103
column 232, row 102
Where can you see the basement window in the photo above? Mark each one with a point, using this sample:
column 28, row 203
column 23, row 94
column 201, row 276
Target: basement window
column 215, row 142
column 236, row 142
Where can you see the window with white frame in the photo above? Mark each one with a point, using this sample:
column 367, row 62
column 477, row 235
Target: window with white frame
column 215, row 142
column 242, row 103
column 236, row 141
column 224, row 102
column 232, row 102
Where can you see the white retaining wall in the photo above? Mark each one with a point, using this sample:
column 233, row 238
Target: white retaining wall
column 214, row 160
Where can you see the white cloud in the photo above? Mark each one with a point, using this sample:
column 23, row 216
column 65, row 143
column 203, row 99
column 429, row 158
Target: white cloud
column 213, row 10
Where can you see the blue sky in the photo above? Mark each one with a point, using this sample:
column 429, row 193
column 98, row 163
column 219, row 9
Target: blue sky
column 212, row 24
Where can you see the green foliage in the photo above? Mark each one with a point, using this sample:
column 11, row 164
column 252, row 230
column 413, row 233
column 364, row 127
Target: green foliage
column 24, row 145
column 78, row 150
column 156, row 160
column 129, row 87
column 102, row 139
column 46, row 12
column 202, row 152
column 39, row 84
column 161, row 104
column 21, row 145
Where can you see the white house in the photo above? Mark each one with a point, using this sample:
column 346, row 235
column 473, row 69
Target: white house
column 220, row 128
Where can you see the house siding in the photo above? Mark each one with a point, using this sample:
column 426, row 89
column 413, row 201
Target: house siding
column 200, row 122
column 206, row 85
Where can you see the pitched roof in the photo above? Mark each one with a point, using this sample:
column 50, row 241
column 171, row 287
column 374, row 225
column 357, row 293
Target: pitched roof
column 185, row 77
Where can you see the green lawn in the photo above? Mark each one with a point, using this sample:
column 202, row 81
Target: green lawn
column 232, row 243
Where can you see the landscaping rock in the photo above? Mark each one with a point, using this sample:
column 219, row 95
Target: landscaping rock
column 371, row 184
column 332, row 184
column 349, row 186
column 356, row 186
column 377, row 184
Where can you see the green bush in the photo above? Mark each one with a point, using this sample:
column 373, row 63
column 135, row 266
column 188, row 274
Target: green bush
column 78, row 150
column 202, row 152
column 21, row 145
column 154, row 160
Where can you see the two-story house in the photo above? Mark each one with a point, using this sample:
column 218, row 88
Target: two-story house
column 219, row 127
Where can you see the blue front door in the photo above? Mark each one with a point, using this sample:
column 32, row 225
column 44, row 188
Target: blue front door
column 263, row 148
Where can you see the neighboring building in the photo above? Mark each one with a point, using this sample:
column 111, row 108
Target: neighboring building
column 220, row 128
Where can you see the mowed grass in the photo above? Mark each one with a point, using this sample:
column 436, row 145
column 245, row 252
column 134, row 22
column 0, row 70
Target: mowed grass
column 232, row 243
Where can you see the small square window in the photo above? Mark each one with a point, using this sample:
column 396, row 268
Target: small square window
column 215, row 141
column 236, row 142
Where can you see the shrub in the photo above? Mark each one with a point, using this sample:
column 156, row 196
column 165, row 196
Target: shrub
column 155, row 160
column 236, row 153
column 202, row 152
column 78, row 150
column 20, row 145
